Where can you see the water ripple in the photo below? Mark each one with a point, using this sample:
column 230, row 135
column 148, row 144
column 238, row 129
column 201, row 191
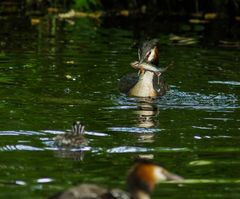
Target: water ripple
column 20, row 148
column 55, row 132
column 234, row 83
column 20, row 182
column 128, row 149
column 206, row 181
column 175, row 99
column 15, row 133
column 191, row 100
column 44, row 180
column 134, row 129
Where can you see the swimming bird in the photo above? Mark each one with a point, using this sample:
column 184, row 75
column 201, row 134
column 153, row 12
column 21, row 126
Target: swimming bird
column 73, row 139
column 148, row 83
column 141, row 181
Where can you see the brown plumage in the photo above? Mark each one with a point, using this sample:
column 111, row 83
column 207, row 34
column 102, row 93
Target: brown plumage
column 141, row 181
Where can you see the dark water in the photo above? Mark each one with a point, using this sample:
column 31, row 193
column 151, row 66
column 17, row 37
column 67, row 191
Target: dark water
column 52, row 75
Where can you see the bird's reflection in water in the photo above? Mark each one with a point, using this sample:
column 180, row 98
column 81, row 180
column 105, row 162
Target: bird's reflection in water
column 146, row 138
column 74, row 155
column 145, row 156
column 147, row 113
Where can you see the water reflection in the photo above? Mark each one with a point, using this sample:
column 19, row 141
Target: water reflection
column 146, row 112
column 145, row 138
column 70, row 154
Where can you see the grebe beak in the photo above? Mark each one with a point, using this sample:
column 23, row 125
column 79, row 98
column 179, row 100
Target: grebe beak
column 174, row 177
column 164, row 174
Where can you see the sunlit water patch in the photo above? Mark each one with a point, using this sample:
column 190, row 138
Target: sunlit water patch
column 20, row 147
column 128, row 149
column 134, row 129
column 44, row 180
column 55, row 132
column 231, row 83
column 17, row 133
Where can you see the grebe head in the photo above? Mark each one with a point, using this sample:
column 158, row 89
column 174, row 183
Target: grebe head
column 141, row 181
column 78, row 128
column 148, row 52
column 144, row 175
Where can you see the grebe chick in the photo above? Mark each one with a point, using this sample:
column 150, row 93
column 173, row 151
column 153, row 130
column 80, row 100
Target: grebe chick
column 73, row 139
column 141, row 181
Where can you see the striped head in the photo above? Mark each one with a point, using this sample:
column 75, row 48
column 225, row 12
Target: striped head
column 78, row 128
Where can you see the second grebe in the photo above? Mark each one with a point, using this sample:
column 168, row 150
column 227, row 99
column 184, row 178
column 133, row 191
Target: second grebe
column 141, row 181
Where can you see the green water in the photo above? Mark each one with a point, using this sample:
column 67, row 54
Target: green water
column 56, row 73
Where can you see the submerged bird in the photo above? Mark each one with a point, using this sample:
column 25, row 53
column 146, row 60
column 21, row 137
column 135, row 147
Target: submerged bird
column 148, row 83
column 74, row 138
column 141, row 181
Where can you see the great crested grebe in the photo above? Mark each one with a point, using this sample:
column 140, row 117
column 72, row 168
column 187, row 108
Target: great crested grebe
column 148, row 83
column 74, row 138
column 141, row 181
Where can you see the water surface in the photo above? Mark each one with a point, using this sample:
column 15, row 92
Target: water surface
column 51, row 77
